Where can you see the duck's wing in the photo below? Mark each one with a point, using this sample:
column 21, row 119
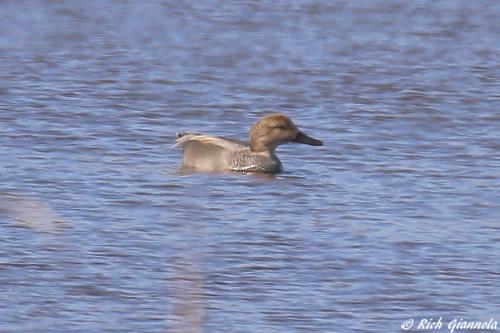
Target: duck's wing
column 208, row 153
column 216, row 142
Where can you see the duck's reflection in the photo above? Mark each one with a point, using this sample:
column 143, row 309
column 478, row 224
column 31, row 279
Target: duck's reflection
column 184, row 171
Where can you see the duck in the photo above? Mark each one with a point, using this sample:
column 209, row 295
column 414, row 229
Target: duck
column 257, row 155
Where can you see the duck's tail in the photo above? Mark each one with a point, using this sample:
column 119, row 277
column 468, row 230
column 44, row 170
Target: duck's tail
column 182, row 137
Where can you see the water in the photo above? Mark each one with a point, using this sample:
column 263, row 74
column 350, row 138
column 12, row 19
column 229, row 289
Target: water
column 394, row 218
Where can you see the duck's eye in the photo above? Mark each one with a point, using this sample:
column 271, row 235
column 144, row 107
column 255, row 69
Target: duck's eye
column 281, row 126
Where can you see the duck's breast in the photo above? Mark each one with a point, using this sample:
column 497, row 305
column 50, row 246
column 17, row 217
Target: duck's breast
column 248, row 161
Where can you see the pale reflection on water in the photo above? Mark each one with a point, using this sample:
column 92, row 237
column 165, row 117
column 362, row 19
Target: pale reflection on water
column 29, row 212
column 186, row 284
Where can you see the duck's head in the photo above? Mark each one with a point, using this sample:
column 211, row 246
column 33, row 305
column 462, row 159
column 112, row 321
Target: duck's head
column 277, row 129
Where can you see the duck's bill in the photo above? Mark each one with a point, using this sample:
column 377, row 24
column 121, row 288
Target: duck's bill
column 304, row 138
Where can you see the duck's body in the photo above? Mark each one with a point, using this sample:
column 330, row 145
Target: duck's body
column 212, row 153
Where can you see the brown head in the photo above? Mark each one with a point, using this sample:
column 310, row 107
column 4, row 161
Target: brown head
column 277, row 129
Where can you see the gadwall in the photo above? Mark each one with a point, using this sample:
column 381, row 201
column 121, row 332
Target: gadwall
column 212, row 153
